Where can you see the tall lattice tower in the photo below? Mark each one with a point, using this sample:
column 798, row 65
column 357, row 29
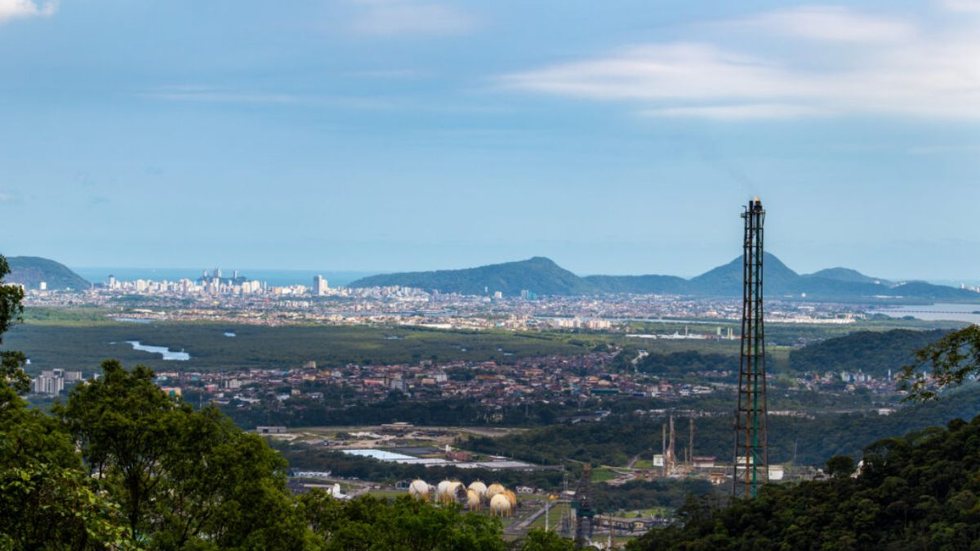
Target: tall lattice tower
column 750, row 468
column 584, row 513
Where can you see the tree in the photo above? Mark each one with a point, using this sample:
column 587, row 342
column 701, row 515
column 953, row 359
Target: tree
column 539, row 540
column 949, row 361
column 124, row 425
column 11, row 308
column 184, row 478
column 840, row 466
column 367, row 523
column 46, row 501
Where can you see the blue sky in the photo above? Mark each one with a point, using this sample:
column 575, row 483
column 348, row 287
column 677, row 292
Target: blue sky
column 613, row 137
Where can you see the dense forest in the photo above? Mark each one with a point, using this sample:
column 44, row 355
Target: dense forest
column 873, row 352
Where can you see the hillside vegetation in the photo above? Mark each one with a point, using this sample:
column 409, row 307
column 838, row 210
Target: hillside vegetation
column 873, row 352
column 919, row 491
column 30, row 271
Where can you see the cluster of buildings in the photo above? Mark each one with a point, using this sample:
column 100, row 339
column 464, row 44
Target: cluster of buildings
column 488, row 383
column 52, row 382
column 848, row 381
column 237, row 299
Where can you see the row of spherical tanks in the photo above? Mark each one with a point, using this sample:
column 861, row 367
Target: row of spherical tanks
column 500, row 501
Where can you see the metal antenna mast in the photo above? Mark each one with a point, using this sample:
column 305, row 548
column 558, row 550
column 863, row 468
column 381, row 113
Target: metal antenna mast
column 582, row 505
column 750, row 467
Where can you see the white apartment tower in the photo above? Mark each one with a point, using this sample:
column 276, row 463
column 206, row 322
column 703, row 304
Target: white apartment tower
column 319, row 286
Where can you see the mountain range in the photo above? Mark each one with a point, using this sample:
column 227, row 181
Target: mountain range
column 543, row 276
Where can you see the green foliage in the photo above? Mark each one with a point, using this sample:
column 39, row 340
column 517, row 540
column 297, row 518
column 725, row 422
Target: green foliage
column 46, row 499
column 916, row 492
column 539, row 540
column 404, row 524
column 840, row 466
column 182, row 477
column 11, row 310
column 644, row 494
column 950, row 361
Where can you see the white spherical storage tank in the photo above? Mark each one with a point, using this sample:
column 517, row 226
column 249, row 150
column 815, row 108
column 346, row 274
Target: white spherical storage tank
column 442, row 488
column 419, row 489
column 500, row 506
column 494, row 489
column 455, row 492
column 479, row 487
column 472, row 500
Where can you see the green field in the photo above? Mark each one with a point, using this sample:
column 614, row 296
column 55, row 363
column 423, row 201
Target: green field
column 83, row 345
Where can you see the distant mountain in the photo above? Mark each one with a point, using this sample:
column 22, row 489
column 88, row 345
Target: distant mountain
column 537, row 274
column 849, row 275
column 543, row 277
column 30, row 271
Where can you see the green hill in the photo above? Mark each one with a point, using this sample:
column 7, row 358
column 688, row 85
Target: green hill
column 847, row 274
column 539, row 275
column 30, row 271
column 872, row 352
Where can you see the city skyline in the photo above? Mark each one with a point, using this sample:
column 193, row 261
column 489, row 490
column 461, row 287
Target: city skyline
column 397, row 135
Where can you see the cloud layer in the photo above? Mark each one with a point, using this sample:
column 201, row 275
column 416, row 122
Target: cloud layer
column 802, row 62
column 15, row 9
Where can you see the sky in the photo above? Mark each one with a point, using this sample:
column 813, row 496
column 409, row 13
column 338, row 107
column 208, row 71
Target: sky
column 618, row 137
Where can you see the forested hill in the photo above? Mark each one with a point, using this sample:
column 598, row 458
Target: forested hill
column 543, row 276
column 540, row 275
column 916, row 492
column 872, row 352
column 30, row 271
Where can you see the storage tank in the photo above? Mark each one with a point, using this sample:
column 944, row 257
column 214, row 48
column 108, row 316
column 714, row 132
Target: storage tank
column 456, row 492
column 441, row 489
column 494, row 489
column 480, row 488
column 473, row 500
column 419, row 489
column 511, row 497
column 500, row 506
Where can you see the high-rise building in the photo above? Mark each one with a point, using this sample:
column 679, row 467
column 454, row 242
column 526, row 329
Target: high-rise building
column 50, row 382
column 319, row 286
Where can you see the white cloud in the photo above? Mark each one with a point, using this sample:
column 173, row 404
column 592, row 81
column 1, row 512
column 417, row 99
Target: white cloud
column 829, row 23
column 863, row 66
column 400, row 17
column 14, row 9
column 962, row 5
